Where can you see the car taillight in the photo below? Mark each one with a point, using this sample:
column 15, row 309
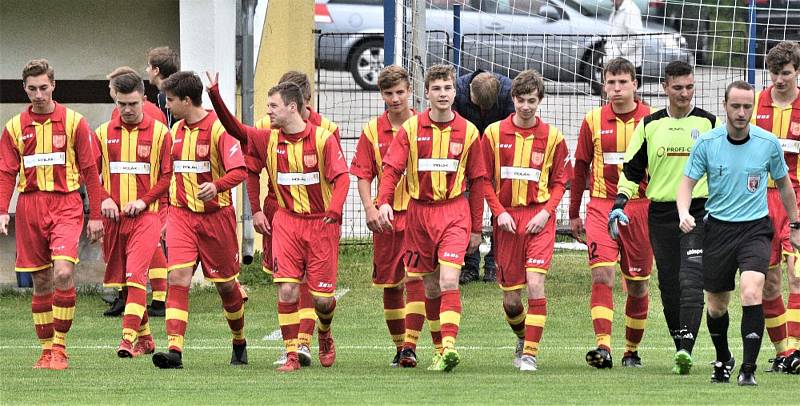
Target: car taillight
column 321, row 14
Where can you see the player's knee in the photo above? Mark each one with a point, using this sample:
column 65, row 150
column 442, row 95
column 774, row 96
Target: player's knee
column 751, row 295
column 637, row 288
column 323, row 304
column 512, row 303
column 448, row 281
column 288, row 292
column 603, row 275
column 42, row 281
column 226, row 288
column 63, row 274
column 717, row 305
column 794, row 283
column 772, row 284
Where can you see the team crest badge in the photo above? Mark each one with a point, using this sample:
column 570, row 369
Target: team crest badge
column 310, row 161
column 456, row 148
column 59, row 140
column 202, row 150
column 795, row 128
column 753, row 181
column 143, row 151
column 537, row 158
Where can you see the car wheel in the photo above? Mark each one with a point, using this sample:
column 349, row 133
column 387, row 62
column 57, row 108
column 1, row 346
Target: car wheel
column 592, row 70
column 365, row 63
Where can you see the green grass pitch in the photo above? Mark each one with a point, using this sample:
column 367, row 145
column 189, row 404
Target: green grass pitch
column 361, row 374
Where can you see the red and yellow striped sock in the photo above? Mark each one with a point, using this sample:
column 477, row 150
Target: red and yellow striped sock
column 177, row 316
column 42, row 310
column 394, row 312
column 158, row 281
column 450, row 316
column 144, row 327
column 775, row 321
column 308, row 315
column 516, row 322
column 289, row 320
column 534, row 325
column 63, row 313
column 793, row 320
column 602, row 303
column 432, row 307
column 135, row 308
column 326, row 318
column 233, row 307
column 415, row 312
column 635, row 321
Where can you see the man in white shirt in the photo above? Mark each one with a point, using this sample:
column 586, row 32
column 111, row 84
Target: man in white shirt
column 625, row 20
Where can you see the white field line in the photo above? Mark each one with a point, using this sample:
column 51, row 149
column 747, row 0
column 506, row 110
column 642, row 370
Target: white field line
column 276, row 335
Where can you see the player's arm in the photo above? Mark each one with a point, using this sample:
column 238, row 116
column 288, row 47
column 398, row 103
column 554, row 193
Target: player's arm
column 559, row 173
column 255, row 164
column 476, row 173
column 9, row 168
column 232, row 125
column 161, row 187
column 394, row 163
column 504, row 220
column 696, row 167
column 230, row 153
column 336, row 172
column 364, row 168
column 580, row 173
column 87, row 164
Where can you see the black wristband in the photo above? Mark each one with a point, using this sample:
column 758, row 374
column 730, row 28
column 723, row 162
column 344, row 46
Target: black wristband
column 620, row 202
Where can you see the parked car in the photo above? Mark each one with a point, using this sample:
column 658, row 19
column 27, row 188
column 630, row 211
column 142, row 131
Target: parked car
column 547, row 35
column 776, row 21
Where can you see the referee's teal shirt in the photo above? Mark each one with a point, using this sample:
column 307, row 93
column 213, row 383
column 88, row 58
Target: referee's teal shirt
column 737, row 172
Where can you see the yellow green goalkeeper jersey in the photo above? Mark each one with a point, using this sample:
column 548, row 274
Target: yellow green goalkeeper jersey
column 660, row 148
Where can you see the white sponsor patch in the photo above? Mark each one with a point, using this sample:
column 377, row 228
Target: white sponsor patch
column 134, row 168
column 790, row 146
column 511, row 172
column 292, row 179
column 55, row 158
column 191, row 166
column 613, row 158
column 437, row 165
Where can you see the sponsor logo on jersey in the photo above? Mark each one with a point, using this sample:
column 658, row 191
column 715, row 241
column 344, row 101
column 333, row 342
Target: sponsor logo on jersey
column 673, row 151
column 535, row 261
column 762, row 116
column 59, row 140
column 449, row 255
column 695, row 133
column 506, row 146
column 606, row 132
column 112, row 141
column 27, row 136
column 423, row 139
column 694, row 252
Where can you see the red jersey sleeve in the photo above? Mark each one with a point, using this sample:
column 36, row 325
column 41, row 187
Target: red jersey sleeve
column 394, row 163
column 161, row 187
column 489, row 187
column 583, row 157
column 559, row 174
column 84, row 145
column 230, row 152
column 363, row 165
column 9, row 168
column 335, row 163
column 476, row 161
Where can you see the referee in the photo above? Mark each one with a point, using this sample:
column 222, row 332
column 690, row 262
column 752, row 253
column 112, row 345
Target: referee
column 737, row 159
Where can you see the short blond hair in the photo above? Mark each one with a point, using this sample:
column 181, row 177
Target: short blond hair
column 437, row 72
column 392, row 76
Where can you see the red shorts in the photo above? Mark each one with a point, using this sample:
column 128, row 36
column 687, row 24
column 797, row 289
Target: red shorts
column 518, row 253
column 128, row 247
column 436, row 233
column 304, row 248
column 270, row 207
column 632, row 250
column 210, row 237
column 48, row 228
column 388, row 270
column 781, row 244
column 159, row 260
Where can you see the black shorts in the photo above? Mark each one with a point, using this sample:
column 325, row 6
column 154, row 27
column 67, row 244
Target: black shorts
column 728, row 246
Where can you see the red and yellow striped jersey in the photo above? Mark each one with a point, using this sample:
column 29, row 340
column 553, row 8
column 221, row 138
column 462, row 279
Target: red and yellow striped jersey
column 48, row 151
column 368, row 160
column 438, row 157
column 132, row 160
column 602, row 140
column 784, row 123
column 525, row 162
column 201, row 152
column 301, row 167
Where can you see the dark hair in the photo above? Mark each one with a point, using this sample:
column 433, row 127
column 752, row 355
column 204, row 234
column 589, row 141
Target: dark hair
column 165, row 59
column 618, row 66
column 739, row 84
column 676, row 69
column 185, row 84
column 392, row 76
column 527, row 82
column 484, row 89
column 781, row 54
column 127, row 83
column 38, row 67
column 437, row 72
column 290, row 92
column 301, row 80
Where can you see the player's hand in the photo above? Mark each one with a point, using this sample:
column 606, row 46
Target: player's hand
column 134, row 208
column 686, row 222
column 109, row 209
column 261, row 224
column 616, row 218
column 506, row 223
column 4, row 219
column 385, row 216
column 329, row 220
column 474, row 242
column 207, row 191
column 576, row 225
column 212, row 81
column 536, row 225
column 373, row 219
column 94, row 230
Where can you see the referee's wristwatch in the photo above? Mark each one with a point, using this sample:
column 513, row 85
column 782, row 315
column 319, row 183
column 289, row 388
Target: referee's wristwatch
column 795, row 225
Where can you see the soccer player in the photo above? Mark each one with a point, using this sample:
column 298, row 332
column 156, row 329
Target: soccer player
column 530, row 165
column 441, row 152
column 50, row 147
column 134, row 161
column 201, row 223
column 778, row 111
column 403, row 318
column 157, row 274
column 737, row 159
column 604, row 135
column 161, row 63
column 659, row 148
column 307, row 170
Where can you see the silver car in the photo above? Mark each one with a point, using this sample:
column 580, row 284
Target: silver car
column 506, row 36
